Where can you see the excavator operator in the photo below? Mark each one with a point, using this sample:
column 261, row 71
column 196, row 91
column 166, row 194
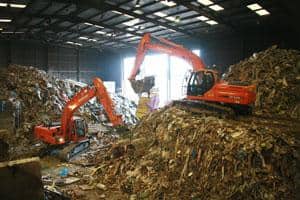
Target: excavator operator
column 200, row 83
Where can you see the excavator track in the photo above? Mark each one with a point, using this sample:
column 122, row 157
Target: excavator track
column 202, row 107
column 73, row 149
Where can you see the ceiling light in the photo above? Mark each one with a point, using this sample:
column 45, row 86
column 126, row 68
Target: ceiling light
column 205, row 2
column 5, row 20
column 131, row 22
column 160, row 14
column 73, row 43
column 11, row 32
column 98, row 26
column 262, row 12
column 172, row 30
column 83, row 38
column 14, row 5
column 138, row 12
column 1, row 29
column 139, row 27
column 130, row 29
column 3, row 4
column 90, row 24
column 168, row 3
column 212, row 22
column 171, row 18
column 254, row 6
column 93, row 40
column 137, row 4
column 101, row 32
column 117, row 12
column 216, row 7
column 203, row 18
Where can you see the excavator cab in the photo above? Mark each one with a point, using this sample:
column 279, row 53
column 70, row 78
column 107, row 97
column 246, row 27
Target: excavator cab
column 200, row 82
column 80, row 128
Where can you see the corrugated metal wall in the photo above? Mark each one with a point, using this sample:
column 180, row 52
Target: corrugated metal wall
column 62, row 62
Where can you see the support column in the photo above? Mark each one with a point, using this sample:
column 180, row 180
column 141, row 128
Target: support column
column 9, row 52
column 77, row 65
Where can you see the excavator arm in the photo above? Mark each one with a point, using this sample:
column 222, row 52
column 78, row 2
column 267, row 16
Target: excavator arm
column 83, row 96
column 165, row 46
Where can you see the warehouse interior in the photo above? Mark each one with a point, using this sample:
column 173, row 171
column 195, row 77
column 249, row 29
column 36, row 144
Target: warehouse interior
column 149, row 99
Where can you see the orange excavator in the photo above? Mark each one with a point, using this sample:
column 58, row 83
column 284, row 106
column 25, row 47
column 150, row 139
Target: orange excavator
column 204, row 88
column 71, row 132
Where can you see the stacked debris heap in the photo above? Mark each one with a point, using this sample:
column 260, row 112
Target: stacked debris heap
column 175, row 154
column 41, row 99
column 276, row 72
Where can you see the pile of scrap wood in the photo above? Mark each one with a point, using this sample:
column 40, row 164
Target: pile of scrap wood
column 276, row 72
column 40, row 98
column 175, row 154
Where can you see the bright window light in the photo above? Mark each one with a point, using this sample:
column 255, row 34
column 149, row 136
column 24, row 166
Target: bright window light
column 216, row 7
column 5, row 20
column 205, row 2
column 89, row 24
column 132, row 22
column 197, row 52
column 160, row 14
column 101, row 32
column 212, row 22
column 203, row 18
column 3, row 4
column 262, row 12
column 168, row 3
column 254, row 6
column 83, row 38
column 14, row 5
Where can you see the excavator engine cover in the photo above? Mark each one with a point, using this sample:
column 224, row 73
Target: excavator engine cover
column 143, row 85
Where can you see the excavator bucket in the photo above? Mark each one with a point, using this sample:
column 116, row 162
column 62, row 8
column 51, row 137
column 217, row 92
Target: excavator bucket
column 143, row 85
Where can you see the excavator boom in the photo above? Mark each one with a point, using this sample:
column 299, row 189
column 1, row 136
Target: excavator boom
column 83, row 96
column 72, row 130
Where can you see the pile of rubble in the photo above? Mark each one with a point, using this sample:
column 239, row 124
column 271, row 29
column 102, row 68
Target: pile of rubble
column 39, row 98
column 276, row 72
column 178, row 155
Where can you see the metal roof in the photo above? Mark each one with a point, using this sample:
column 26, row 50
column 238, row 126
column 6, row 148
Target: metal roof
column 121, row 23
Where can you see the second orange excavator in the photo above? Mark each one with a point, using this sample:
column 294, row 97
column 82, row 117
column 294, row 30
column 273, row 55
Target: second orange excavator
column 204, row 89
column 71, row 132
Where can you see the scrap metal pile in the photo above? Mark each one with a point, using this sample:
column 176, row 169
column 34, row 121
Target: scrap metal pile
column 179, row 155
column 41, row 99
column 277, row 75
